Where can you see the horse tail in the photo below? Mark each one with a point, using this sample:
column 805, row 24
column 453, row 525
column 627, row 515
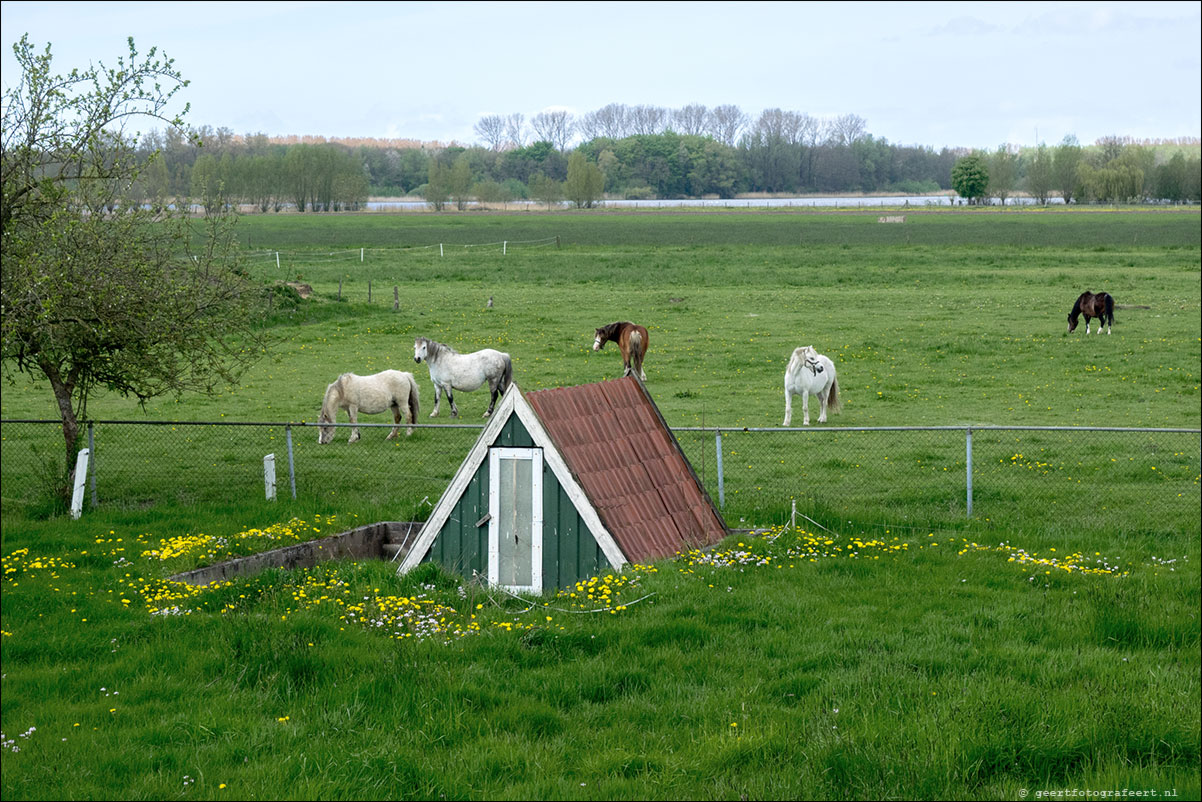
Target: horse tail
column 636, row 343
column 414, row 400
column 833, row 403
column 506, row 376
column 1109, row 309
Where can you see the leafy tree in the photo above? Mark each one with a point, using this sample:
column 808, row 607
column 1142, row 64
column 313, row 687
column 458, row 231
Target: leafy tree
column 546, row 189
column 1003, row 172
column 1040, row 176
column 970, row 178
column 585, row 184
column 459, row 182
column 491, row 192
column 438, row 185
column 1065, row 162
column 100, row 292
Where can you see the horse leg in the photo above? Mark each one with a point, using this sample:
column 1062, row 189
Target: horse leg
column 492, row 401
column 805, row 407
column 822, row 398
column 451, row 398
column 788, row 407
column 396, row 418
column 353, row 413
column 437, row 399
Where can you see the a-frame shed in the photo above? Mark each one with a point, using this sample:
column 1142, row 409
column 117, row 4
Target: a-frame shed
column 564, row 484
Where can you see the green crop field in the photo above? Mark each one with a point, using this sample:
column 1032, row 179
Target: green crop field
column 889, row 646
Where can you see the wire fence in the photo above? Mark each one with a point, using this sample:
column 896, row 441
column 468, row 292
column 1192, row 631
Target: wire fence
column 284, row 258
column 1132, row 479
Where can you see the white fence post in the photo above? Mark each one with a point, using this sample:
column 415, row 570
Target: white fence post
column 269, row 476
column 81, row 479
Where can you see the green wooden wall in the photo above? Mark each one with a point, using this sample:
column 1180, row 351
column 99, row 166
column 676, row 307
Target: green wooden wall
column 570, row 552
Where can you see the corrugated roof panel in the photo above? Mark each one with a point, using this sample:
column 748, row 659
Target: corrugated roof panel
column 615, row 442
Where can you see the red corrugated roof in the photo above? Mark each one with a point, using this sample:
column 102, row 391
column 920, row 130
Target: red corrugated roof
column 618, row 447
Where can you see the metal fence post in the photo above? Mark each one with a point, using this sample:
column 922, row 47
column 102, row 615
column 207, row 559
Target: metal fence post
column 92, row 462
column 291, row 465
column 721, row 487
column 968, row 459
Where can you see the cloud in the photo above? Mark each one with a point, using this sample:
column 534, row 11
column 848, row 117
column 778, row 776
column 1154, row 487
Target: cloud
column 966, row 26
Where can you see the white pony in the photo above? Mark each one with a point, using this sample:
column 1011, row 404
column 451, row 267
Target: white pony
column 380, row 392
column 451, row 370
column 810, row 373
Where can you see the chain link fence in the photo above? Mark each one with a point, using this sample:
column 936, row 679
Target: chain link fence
column 1132, row 479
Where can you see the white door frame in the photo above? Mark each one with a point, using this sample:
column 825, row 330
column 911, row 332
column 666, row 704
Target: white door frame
column 535, row 455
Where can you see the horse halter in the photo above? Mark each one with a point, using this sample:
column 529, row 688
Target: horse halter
column 813, row 365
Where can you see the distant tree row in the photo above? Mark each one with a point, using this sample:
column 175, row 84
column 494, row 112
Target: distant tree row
column 644, row 152
column 1114, row 171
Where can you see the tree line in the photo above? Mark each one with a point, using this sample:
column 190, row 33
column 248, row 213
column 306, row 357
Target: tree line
column 1113, row 171
column 641, row 152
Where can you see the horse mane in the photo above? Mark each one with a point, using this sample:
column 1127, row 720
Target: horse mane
column 610, row 332
column 434, row 348
column 334, row 393
column 1077, row 306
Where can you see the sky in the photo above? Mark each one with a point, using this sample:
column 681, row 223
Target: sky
column 936, row 74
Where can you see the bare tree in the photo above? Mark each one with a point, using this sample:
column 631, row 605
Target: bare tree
column 648, row 120
column 846, row 130
column 515, row 130
column 724, row 123
column 609, row 121
column 690, row 120
column 555, row 127
column 491, row 129
column 777, row 125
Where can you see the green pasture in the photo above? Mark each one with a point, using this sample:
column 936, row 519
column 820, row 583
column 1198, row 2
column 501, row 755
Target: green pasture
column 950, row 318
column 890, row 646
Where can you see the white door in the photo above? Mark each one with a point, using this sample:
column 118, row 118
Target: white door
column 515, row 526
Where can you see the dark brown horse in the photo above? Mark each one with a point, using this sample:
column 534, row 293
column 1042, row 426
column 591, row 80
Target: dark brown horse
column 1090, row 304
column 632, row 339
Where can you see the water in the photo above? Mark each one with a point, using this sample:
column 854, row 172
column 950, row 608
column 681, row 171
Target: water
column 912, row 201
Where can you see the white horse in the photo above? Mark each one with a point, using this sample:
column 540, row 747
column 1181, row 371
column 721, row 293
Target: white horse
column 451, row 370
column 380, row 392
column 810, row 373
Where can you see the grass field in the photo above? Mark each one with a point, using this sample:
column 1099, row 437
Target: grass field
column 887, row 650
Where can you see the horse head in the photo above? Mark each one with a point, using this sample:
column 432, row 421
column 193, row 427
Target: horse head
column 1072, row 322
column 326, row 433
column 420, row 347
column 599, row 339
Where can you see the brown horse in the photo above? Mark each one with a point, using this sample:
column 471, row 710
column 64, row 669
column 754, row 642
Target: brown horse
column 632, row 339
column 1099, row 305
